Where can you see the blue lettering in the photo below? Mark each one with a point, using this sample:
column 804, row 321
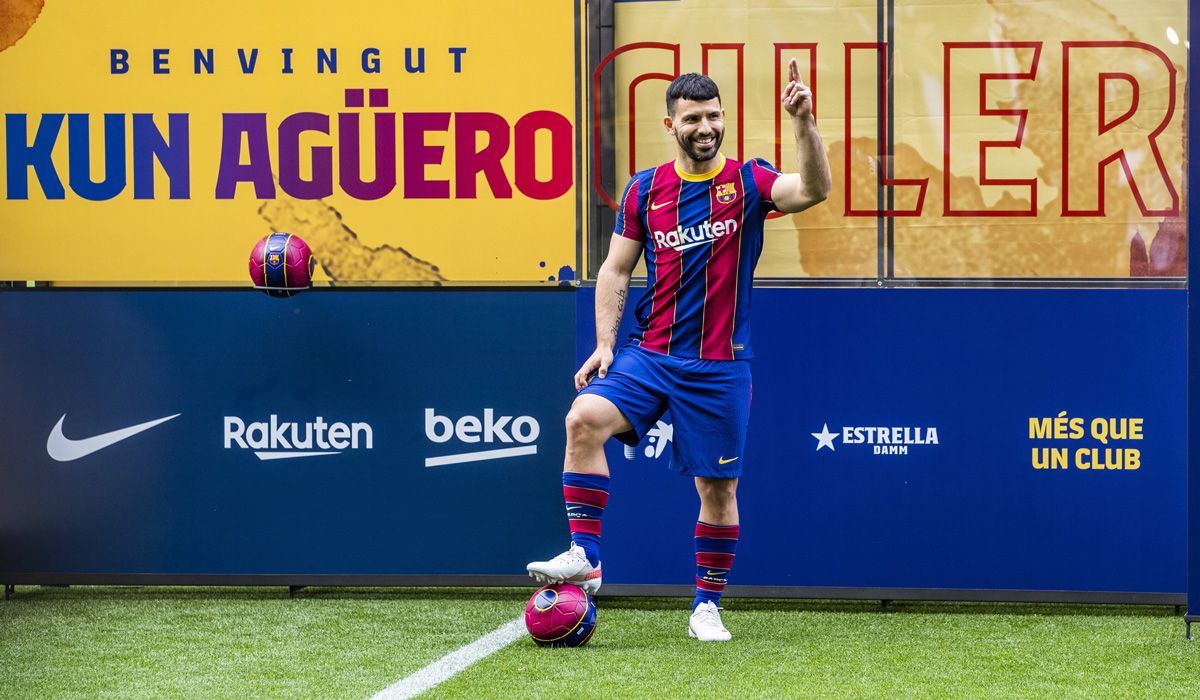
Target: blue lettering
column 248, row 66
column 458, row 54
column 370, row 61
column 232, row 170
column 80, row 152
column 21, row 156
column 160, row 61
column 202, row 59
column 408, row 64
column 118, row 61
column 327, row 59
column 148, row 145
column 287, row 62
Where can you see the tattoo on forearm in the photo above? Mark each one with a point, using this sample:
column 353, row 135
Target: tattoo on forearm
column 621, row 296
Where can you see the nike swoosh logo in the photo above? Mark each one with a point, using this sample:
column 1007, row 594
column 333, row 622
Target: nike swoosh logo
column 659, row 205
column 722, row 460
column 63, row 449
column 714, row 573
column 570, row 508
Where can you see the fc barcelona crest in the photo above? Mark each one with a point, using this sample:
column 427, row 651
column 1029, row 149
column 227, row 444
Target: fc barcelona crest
column 274, row 259
column 726, row 192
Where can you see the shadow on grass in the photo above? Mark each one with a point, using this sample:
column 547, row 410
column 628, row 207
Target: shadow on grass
column 272, row 593
column 900, row 607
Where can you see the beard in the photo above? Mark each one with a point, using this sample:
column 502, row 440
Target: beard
column 701, row 153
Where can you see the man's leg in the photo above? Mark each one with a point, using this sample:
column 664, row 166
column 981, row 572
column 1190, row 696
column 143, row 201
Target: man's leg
column 590, row 422
column 717, row 534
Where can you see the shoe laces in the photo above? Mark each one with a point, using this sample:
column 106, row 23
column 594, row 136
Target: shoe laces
column 574, row 554
column 709, row 614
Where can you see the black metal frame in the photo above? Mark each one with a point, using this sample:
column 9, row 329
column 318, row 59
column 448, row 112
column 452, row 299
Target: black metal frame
column 294, row 583
column 1193, row 366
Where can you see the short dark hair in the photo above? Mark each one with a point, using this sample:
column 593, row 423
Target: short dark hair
column 691, row 86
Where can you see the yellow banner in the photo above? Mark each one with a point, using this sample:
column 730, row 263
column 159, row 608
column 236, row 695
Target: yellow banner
column 157, row 142
column 1029, row 139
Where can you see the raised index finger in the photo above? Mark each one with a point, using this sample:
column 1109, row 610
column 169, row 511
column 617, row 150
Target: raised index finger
column 793, row 71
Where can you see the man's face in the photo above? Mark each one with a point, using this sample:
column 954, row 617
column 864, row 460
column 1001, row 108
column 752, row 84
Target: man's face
column 698, row 127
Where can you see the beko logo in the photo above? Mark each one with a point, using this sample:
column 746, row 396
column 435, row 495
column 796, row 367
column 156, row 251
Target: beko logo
column 490, row 429
column 275, row 439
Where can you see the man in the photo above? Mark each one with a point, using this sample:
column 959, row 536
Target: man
column 700, row 221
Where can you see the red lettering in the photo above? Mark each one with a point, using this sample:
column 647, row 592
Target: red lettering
column 902, row 188
column 1107, row 143
column 561, row 147
column 1022, row 116
column 418, row 154
column 469, row 162
column 810, row 80
column 598, row 119
column 740, row 49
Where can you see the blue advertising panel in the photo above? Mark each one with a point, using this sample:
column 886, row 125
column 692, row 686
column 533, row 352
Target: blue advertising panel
column 925, row 439
column 946, row 439
column 229, row 433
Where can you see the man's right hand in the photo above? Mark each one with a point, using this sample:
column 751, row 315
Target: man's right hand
column 597, row 364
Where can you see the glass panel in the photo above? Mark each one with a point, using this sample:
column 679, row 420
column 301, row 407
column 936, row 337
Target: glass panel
column 1048, row 208
column 746, row 50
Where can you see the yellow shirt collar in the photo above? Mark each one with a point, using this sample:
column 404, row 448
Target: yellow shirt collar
column 703, row 176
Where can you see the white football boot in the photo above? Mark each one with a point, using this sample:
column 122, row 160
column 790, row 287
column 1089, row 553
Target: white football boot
column 571, row 566
column 705, row 624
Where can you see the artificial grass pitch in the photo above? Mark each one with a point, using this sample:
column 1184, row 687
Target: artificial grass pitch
column 351, row 643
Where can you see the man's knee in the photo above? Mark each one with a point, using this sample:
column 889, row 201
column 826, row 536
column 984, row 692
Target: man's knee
column 717, row 491
column 587, row 424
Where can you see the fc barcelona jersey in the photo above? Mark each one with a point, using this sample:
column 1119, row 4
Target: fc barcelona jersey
column 702, row 236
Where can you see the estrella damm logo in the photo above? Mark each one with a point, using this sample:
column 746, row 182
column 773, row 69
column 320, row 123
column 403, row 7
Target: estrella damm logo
column 726, row 192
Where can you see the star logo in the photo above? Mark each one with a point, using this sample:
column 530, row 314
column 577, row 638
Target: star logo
column 824, row 438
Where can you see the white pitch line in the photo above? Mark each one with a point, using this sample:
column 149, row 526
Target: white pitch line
column 449, row 665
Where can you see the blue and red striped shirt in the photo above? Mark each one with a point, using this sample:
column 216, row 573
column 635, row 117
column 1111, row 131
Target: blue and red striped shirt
column 702, row 236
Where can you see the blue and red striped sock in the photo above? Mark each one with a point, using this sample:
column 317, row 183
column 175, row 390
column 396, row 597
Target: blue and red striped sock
column 715, row 546
column 586, row 496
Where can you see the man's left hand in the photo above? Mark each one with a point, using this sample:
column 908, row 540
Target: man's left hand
column 796, row 97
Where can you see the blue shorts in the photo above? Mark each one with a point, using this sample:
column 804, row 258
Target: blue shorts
column 709, row 402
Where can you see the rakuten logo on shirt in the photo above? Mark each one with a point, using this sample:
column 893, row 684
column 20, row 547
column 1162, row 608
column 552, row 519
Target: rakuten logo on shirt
column 680, row 238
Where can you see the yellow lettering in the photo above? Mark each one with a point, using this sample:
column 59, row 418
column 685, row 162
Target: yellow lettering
column 1060, row 426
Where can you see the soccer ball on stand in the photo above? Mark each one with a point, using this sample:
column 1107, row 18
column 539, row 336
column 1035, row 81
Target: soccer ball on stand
column 281, row 265
column 560, row 615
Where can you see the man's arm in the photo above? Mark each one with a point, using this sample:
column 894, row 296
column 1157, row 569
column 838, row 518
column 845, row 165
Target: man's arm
column 798, row 191
column 612, row 290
